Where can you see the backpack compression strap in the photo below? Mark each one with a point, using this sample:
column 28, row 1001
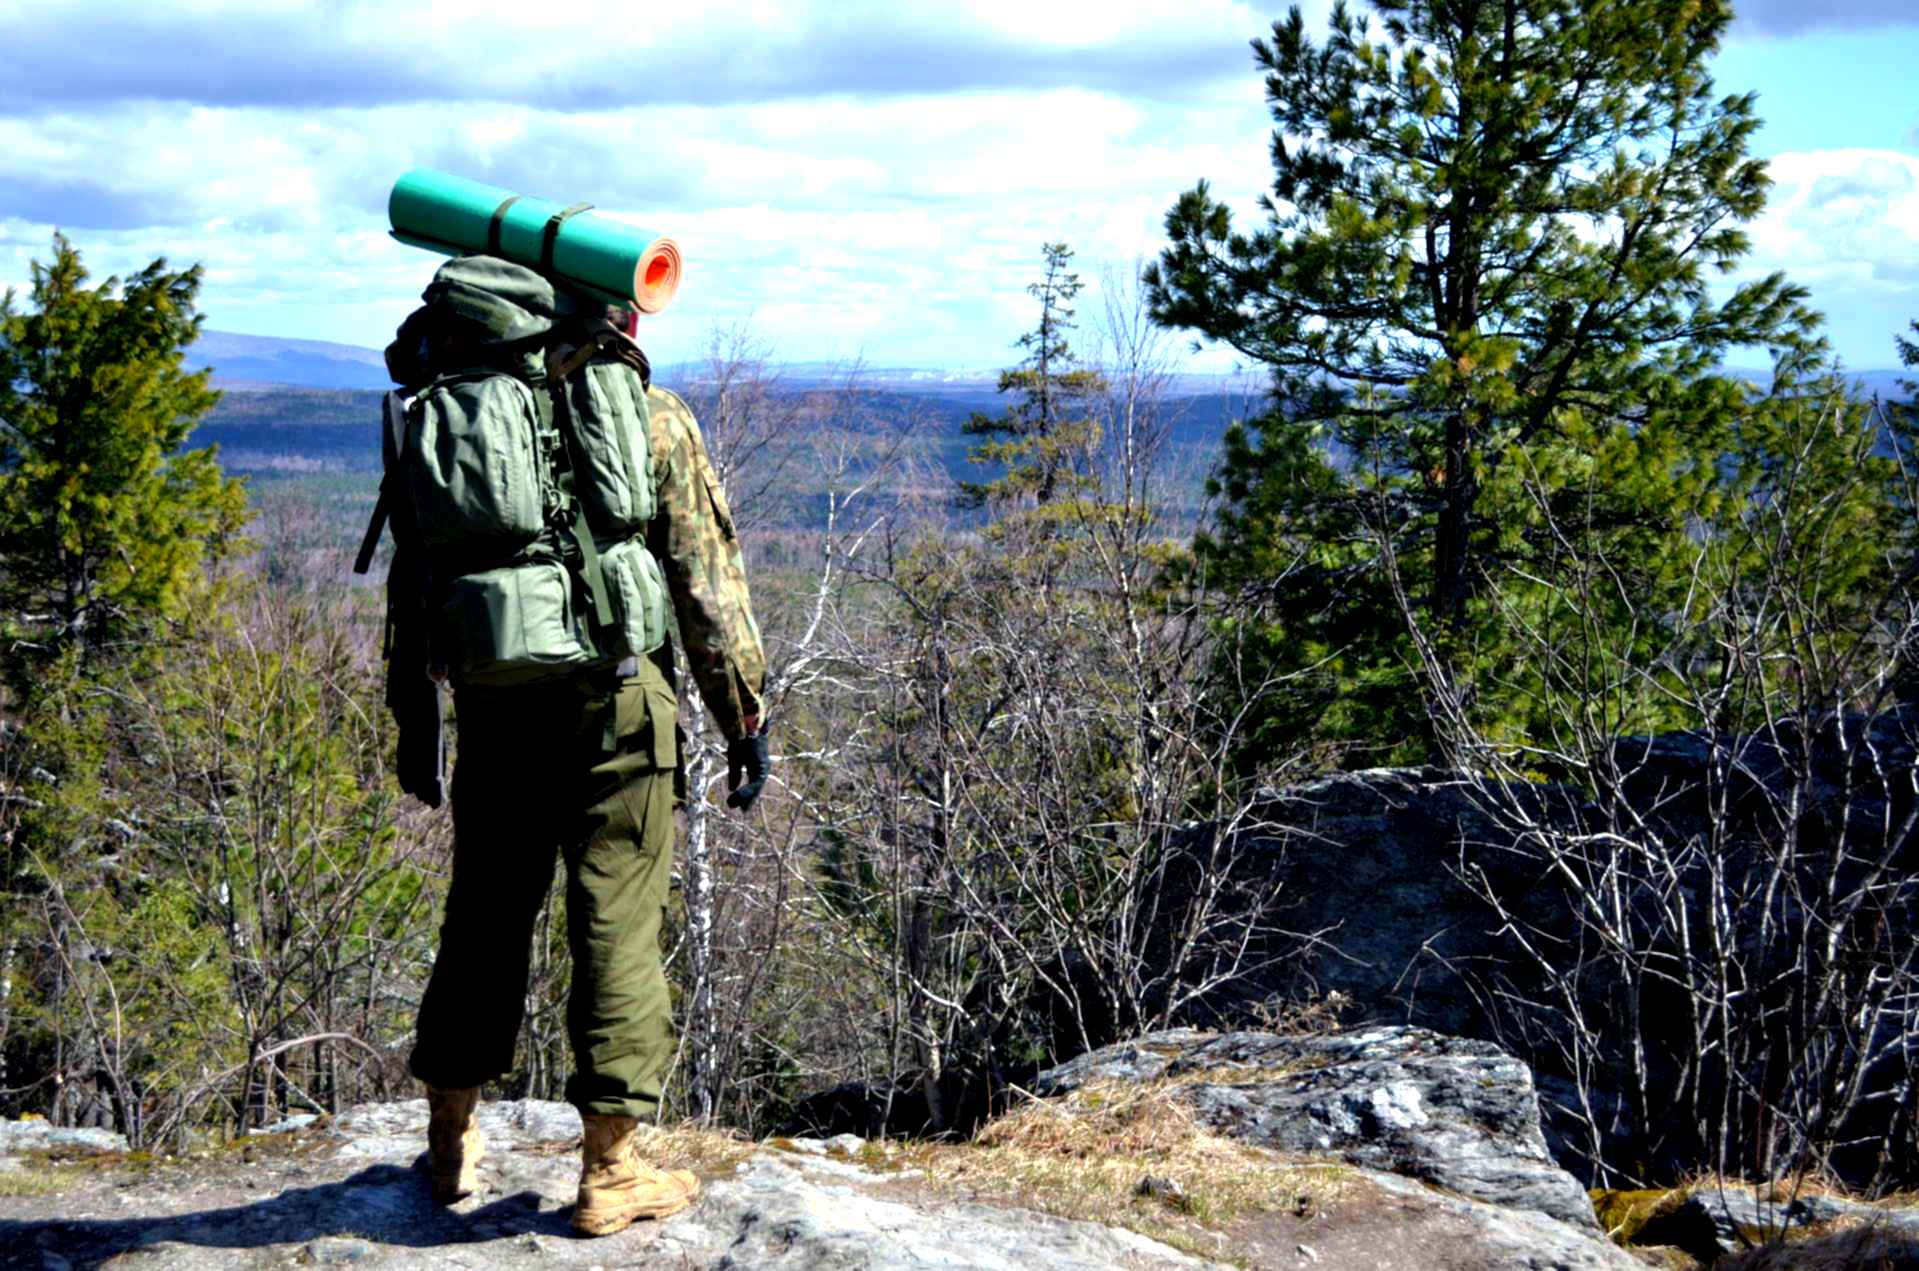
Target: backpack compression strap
column 579, row 531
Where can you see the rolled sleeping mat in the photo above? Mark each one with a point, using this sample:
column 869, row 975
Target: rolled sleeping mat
column 455, row 216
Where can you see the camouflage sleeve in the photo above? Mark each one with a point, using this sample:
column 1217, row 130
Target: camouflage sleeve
column 692, row 537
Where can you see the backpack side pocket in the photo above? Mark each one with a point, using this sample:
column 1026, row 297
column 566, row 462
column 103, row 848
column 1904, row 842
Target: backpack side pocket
column 637, row 590
column 606, row 414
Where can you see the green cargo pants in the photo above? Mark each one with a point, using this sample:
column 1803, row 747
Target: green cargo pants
column 534, row 779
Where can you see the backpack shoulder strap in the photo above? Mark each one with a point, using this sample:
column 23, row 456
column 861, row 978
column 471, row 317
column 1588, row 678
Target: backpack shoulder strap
column 392, row 433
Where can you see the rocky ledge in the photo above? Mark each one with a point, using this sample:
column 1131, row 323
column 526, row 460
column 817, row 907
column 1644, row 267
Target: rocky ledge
column 354, row 1191
column 1432, row 1144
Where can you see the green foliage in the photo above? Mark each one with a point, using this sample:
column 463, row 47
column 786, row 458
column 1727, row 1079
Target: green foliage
column 104, row 522
column 207, row 865
column 1483, row 291
column 1039, row 440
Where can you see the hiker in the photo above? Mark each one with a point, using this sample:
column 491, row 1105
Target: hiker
column 549, row 505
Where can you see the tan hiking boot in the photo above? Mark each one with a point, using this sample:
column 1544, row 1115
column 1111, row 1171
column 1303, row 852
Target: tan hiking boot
column 616, row 1186
column 453, row 1143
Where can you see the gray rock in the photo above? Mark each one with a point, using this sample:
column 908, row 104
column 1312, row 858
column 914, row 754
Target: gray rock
column 1713, row 1222
column 354, row 1195
column 805, row 1146
column 331, row 1250
column 300, row 1121
column 1142, row 1059
column 1458, row 1114
column 1367, row 858
column 39, row 1136
column 1516, row 1239
column 773, row 1216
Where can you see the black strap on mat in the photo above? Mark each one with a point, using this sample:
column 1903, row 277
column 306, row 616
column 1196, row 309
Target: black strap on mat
column 499, row 219
column 553, row 231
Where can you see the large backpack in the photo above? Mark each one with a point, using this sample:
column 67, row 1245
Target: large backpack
column 518, row 481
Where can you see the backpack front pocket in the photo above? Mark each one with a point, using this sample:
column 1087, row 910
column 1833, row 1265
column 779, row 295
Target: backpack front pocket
column 512, row 625
column 473, row 466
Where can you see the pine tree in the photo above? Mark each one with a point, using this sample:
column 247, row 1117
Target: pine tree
column 103, row 518
column 1041, row 435
column 1488, row 255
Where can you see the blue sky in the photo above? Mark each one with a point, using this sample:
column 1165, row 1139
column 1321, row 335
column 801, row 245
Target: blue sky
column 853, row 179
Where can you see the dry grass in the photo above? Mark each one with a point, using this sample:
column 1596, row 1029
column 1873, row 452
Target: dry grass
column 1087, row 1155
column 1228, row 1074
column 39, row 1179
column 702, row 1149
column 1623, row 1212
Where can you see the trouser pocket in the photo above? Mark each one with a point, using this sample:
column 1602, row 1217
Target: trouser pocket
column 647, row 715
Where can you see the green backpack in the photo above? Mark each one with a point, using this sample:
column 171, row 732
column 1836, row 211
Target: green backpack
column 518, row 481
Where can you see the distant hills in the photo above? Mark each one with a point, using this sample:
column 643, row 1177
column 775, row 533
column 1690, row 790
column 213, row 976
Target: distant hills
column 243, row 362
column 310, row 408
column 246, row 362
column 262, row 361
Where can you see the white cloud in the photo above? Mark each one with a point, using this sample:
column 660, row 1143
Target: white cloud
column 860, row 177
column 1850, row 215
column 903, row 226
column 598, row 52
column 1845, row 224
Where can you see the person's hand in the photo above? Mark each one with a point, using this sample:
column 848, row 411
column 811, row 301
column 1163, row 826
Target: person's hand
column 748, row 756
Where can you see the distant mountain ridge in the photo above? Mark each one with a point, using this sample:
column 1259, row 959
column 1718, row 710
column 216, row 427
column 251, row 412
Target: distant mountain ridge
column 259, row 361
column 244, row 362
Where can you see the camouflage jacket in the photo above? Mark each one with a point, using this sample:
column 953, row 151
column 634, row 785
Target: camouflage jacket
column 692, row 537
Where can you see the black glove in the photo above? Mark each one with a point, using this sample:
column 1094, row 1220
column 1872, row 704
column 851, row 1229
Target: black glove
column 748, row 754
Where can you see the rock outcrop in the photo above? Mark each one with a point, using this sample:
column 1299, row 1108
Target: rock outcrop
column 18, row 1138
column 1431, row 902
column 1448, row 1170
column 1460, row 1115
column 1370, row 861
column 1426, row 1151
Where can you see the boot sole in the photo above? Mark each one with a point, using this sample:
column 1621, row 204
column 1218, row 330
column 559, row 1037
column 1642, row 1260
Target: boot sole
column 604, row 1223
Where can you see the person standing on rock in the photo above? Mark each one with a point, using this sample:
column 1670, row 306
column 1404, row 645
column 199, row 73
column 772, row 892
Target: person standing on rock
column 563, row 751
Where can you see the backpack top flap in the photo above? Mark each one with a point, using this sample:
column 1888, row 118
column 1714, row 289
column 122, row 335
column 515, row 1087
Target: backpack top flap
column 497, row 299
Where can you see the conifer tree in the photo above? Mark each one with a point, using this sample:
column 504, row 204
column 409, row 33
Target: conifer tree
column 1039, row 436
column 1490, row 244
column 103, row 518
